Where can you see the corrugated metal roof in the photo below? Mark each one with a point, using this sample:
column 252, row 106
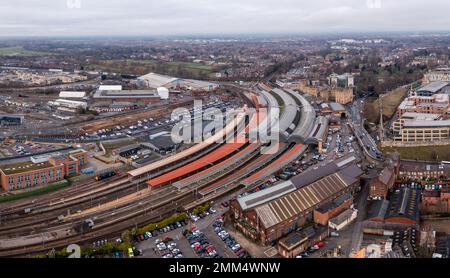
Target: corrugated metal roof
column 300, row 200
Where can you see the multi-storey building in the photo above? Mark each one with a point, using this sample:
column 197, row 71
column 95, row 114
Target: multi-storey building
column 339, row 94
column 439, row 74
column 435, row 104
column 46, row 171
column 422, row 130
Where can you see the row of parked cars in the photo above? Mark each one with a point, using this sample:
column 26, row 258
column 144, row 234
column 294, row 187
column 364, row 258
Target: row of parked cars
column 311, row 249
column 168, row 249
column 199, row 216
column 171, row 227
column 229, row 240
column 200, row 244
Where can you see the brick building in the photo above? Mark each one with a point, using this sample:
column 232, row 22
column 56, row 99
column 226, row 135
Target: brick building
column 402, row 207
column 324, row 213
column 297, row 242
column 435, row 104
column 380, row 186
column 29, row 174
column 436, row 201
column 326, row 93
column 419, row 171
column 273, row 213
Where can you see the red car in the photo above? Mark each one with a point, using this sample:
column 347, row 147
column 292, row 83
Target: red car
column 320, row 244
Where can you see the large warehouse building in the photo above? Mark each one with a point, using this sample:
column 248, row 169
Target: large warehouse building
column 154, row 80
column 116, row 96
column 271, row 214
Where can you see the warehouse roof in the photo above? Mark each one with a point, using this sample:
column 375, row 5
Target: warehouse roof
column 404, row 203
column 378, row 209
column 106, row 94
column 322, row 171
column 335, row 203
column 303, row 199
column 266, row 195
column 67, row 94
column 341, row 218
column 425, row 124
column 110, row 88
column 162, row 142
column 433, row 87
column 154, row 80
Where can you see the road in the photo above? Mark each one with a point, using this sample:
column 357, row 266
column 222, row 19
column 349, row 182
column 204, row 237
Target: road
column 369, row 143
column 361, row 202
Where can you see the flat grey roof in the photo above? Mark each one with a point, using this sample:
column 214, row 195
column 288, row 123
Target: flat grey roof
column 266, row 195
column 424, row 123
column 433, row 87
column 126, row 94
column 420, row 116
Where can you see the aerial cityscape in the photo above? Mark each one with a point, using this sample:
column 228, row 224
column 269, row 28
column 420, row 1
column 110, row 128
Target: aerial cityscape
column 210, row 135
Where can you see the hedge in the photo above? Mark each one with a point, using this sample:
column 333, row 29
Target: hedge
column 154, row 226
column 200, row 209
column 89, row 251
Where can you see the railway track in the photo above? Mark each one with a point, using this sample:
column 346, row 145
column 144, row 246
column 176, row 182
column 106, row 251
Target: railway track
column 113, row 219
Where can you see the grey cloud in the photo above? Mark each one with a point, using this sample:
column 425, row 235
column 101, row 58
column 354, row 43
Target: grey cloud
column 176, row 17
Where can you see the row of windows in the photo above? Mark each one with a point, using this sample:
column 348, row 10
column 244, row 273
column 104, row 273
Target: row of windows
column 30, row 184
column 27, row 178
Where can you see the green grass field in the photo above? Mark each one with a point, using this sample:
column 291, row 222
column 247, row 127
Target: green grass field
column 426, row 153
column 390, row 103
column 19, row 51
column 145, row 66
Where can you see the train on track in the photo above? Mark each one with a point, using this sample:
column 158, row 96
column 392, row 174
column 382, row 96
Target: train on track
column 105, row 176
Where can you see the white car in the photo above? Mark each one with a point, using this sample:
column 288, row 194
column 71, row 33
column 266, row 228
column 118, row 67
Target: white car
column 172, row 245
column 236, row 247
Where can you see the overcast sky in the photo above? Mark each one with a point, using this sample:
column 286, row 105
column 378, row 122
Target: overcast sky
column 191, row 17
